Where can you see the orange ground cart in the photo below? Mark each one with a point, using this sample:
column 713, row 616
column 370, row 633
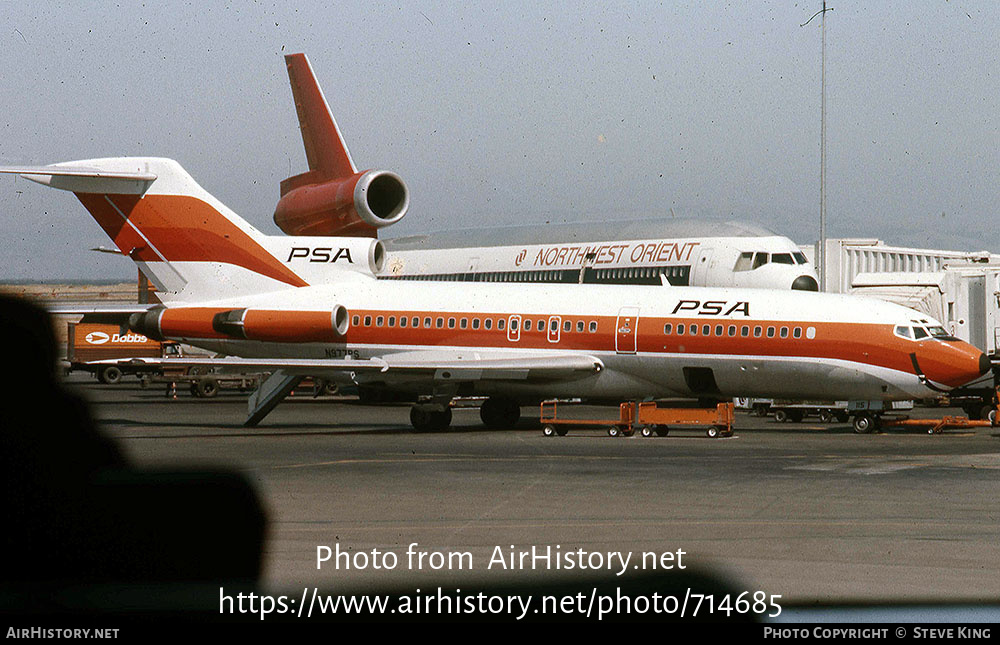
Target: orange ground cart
column 647, row 417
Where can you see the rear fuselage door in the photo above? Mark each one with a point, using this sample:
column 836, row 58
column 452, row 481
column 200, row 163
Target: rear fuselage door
column 554, row 322
column 514, row 328
column 625, row 330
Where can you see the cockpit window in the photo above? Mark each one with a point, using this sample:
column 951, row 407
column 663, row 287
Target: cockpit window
column 750, row 260
column 919, row 332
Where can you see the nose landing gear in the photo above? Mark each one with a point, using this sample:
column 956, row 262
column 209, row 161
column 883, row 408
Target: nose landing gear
column 867, row 423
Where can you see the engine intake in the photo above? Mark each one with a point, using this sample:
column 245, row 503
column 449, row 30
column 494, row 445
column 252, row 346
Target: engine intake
column 357, row 205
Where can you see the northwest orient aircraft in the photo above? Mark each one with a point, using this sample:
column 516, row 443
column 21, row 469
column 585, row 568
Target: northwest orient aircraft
column 332, row 198
column 230, row 289
column 679, row 252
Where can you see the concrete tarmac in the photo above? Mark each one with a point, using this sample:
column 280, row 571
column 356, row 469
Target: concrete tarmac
column 810, row 511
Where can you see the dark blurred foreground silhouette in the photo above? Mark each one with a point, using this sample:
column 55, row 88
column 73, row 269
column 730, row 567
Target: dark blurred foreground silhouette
column 76, row 512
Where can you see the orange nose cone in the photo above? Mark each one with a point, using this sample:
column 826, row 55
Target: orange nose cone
column 952, row 363
column 961, row 367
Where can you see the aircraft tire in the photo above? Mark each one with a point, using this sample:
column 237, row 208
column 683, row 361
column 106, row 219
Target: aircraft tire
column 425, row 419
column 498, row 412
column 420, row 419
column 442, row 419
column 864, row 423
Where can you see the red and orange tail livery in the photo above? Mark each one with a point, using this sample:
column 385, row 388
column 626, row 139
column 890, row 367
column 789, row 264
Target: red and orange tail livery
column 187, row 242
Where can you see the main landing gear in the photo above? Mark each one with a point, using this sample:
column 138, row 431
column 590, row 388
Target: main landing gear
column 430, row 417
column 435, row 415
column 499, row 412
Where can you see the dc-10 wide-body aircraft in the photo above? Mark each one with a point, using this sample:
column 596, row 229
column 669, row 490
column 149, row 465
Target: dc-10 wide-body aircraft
column 675, row 251
column 228, row 288
column 332, row 198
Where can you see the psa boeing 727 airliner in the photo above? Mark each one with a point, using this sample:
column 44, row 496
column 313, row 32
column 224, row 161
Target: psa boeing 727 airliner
column 311, row 306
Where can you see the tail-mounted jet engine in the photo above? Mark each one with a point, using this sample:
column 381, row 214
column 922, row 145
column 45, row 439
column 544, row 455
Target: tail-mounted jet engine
column 332, row 197
column 282, row 326
column 357, row 205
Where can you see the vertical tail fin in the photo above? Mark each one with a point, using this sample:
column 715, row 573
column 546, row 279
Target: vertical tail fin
column 189, row 244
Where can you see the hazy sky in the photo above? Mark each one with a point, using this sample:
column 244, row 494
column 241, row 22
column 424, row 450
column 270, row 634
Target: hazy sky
column 504, row 113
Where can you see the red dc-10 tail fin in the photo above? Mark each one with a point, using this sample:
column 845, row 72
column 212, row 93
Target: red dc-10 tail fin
column 332, row 197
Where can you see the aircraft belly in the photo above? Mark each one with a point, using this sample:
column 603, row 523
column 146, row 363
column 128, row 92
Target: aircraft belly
column 774, row 378
column 609, row 384
column 811, row 378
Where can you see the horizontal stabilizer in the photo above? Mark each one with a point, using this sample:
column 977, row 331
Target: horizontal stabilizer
column 106, row 314
column 81, row 179
column 111, row 310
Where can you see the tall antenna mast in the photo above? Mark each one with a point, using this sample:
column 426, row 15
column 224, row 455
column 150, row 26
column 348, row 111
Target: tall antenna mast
column 822, row 157
column 821, row 255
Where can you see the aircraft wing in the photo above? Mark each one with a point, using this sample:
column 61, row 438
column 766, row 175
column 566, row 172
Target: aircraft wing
column 431, row 364
column 450, row 365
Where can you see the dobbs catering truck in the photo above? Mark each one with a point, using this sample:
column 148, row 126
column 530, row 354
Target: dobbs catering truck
column 88, row 342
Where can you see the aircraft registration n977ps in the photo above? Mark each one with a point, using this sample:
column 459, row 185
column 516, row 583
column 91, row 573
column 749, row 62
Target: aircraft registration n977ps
column 266, row 305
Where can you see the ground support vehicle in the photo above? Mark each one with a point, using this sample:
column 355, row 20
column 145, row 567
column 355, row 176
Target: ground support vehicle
column 990, row 419
column 796, row 411
column 937, row 426
column 201, row 385
column 90, row 345
column 646, row 417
